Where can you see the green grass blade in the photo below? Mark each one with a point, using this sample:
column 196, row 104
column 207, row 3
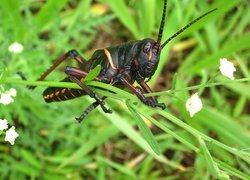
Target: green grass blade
column 210, row 164
column 234, row 45
column 231, row 170
column 126, row 129
column 120, row 168
column 122, row 12
column 147, row 19
column 146, row 132
column 80, row 12
column 45, row 15
column 95, row 140
column 31, row 159
column 93, row 73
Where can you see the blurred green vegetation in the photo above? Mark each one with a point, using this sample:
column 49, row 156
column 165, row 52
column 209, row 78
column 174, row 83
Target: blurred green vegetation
column 213, row 144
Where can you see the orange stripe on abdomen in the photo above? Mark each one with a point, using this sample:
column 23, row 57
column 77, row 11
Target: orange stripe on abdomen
column 61, row 94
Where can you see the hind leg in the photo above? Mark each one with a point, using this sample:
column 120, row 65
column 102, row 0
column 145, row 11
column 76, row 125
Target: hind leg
column 72, row 53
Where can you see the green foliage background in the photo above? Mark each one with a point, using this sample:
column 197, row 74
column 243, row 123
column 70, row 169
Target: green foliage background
column 213, row 144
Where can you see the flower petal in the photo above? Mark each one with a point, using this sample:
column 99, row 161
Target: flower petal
column 11, row 135
column 15, row 48
column 3, row 124
column 194, row 104
column 227, row 68
column 12, row 92
column 6, row 98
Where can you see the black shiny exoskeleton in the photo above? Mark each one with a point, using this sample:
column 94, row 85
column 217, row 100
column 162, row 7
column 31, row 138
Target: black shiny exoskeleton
column 121, row 66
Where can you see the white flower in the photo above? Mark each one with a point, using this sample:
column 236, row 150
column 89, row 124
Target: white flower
column 227, row 68
column 11, row 135
column 3, row 124
column 15, row 48
column 193, row 104
column 12, row 92
column 6, row 98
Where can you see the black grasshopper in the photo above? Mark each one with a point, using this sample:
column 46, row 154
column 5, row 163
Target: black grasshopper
column 121, row 66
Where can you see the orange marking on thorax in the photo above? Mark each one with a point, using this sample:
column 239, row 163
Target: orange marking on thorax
column 108, row 55
column 51, row 95
column 82, row 79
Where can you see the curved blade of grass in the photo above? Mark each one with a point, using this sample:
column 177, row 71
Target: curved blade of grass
column 2, row 76
column 11, row 10
column 126, row 129
column 147, row 19
column 44, row 16
column 228, row 130
column 195, row 132
column 26, row 169
column 95, row 140
column 210, row 164
column 121, row 10
column 120, row 168
column 68, row 84
column 81, row 11
column 31, row 159
column 166, row 129
column 240, row 88
column 146, row 132
column 211, row 61
column 231, row 170
column 93, row 73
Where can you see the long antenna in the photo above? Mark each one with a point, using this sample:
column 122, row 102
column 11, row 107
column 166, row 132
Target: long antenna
column 162, row 22
column 187, row 26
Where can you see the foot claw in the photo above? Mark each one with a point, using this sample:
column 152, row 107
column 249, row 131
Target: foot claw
column 77, row 120
column 105, row 109
column 151, row 104
column 161, row 105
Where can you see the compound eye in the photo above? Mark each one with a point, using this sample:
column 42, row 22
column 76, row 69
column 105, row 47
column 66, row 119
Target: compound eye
column 147, row 47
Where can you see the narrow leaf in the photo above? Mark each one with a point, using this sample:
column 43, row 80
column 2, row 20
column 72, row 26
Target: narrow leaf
column 122, row 12
column 31, row 159
column 93, row 73
column 120, row 168
column 210, row 164
column 95, row 141
column 174, row 81
column 44, row 16
column 146, row 132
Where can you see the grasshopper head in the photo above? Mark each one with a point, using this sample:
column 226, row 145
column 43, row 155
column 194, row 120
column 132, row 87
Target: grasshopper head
column 148, row 57
column 149, row 51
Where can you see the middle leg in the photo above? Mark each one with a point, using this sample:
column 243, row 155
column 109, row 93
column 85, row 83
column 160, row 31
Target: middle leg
column 74, row 74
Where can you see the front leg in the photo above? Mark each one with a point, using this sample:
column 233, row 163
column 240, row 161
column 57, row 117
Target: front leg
column 147, row 89
column 137, row 91
column 124, row 76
